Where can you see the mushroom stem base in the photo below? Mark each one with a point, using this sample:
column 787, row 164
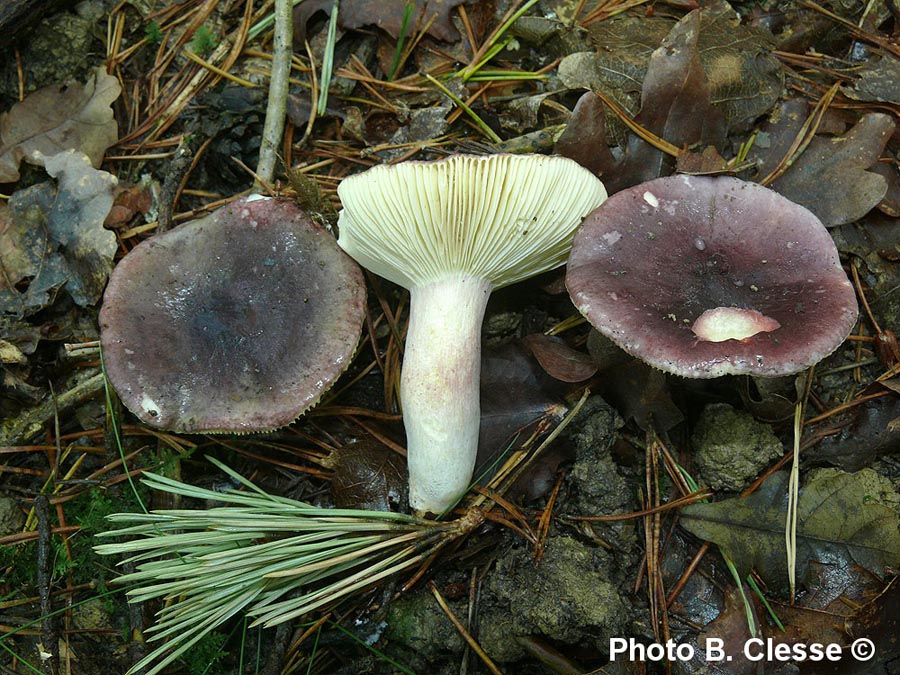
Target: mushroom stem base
column 440, row 389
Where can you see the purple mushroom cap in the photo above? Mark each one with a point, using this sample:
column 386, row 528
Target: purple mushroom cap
column 761, row 271
column 238, row 321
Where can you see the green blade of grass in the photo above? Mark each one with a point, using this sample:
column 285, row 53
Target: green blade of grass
column 408, row 10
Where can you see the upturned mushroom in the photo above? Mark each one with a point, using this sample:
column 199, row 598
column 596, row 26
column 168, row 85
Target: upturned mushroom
column 703, row 277
column 238, row 321
column 451, row 231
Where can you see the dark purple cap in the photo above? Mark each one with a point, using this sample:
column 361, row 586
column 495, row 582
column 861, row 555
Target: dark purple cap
column 653, row 259
column 235, row 322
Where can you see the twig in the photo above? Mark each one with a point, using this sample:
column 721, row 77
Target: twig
column 49, row 635
column 282, row 51
column 176, row 169
column 30, row 422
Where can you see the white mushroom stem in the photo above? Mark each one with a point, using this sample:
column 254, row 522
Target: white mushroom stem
column 450, row 231
column 440, row 389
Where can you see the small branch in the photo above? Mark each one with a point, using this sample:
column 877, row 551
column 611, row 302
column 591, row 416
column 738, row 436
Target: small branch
column 29, row 424
column 49, row 635
column 278, row 87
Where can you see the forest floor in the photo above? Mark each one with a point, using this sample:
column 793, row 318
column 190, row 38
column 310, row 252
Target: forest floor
column 632, row 509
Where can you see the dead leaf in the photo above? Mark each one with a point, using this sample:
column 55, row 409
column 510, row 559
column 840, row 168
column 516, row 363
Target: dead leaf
column 837, row 525
column 675, row 105
column 524, row 113
column 617, row 66
column 878, row 81
column 831, row 179
column 879, row 621
column 639, row 392
column 731, row 628
column 130, row 200
column 772, row 142
column 675, row 99
column 743, row 77
column 584, row 138
column 890, row 203
column 708, row 162
column 52, row 238
column 515, row 395
column 57, row 118
column 874, row 617
column 388, row 16
column 864, row 435
column 770, row 399
column 558, row 359
column 368, row 475
column 30, row 270
column 83, row 200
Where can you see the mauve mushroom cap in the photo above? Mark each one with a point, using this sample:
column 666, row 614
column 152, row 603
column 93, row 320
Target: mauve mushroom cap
column 651, row 259
column 235, row 322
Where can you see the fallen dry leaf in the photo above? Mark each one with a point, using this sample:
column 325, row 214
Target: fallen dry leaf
column 890, row 203
column 640, row 392
column 129, row 201
column 27, row 252
column 386, row 14
column 675, row 105
column 774, row 138
column 838, row 524
column 515, row 394
column 676, row 99
column 53, row 238
column 831, row 177
column 57, row 118
column 731, row 628
column 864, row 433
column 744, row 79
column 558, row 359
column 878, row 81
column 584, row 138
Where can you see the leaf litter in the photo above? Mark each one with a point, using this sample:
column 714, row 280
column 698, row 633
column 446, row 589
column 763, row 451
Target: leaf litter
column 711, row 95
column 840, row 524
column 53, row 238
column 58, row 118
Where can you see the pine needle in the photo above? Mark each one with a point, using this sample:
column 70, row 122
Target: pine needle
column 271, row 557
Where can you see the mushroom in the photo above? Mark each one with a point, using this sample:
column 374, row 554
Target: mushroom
column 238, row 321
column 451, row 231
column 703, row 277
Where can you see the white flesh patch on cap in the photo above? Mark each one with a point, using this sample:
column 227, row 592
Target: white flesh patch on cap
column 149, row 406
column 651, row 199
column 731, row 323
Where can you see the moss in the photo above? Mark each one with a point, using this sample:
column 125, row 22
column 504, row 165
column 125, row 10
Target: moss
column 731, row 447
column 567, row 599
column 75, row 556
column 416, row 622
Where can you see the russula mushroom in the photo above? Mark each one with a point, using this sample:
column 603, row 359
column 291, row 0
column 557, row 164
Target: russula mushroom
column 703, row 277
column 238, row 321
column 450, row 231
